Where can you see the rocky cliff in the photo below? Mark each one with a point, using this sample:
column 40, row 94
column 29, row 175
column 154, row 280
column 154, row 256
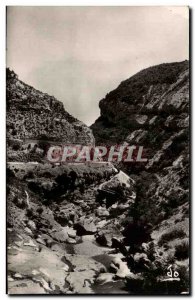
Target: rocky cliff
column 152, row 109
column 147, row 107
column 55, row 212
column 95, row 228
column 34, row 117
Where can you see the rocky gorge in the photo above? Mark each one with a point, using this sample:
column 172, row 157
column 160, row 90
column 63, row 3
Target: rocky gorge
column 100, row 228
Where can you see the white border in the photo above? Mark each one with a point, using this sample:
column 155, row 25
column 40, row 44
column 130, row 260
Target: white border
column 5, row 3
column 98, row 2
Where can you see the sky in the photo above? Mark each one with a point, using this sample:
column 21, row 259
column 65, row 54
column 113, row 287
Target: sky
column 79, row 54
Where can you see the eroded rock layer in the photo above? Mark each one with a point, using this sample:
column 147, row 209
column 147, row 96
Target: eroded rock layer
column 97, row 227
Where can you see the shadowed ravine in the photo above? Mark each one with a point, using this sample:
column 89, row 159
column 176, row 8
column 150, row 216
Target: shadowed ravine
column 106, row 227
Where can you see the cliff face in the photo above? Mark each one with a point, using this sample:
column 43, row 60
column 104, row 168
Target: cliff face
column 146, row 108
column 52, row 209
column 92, row 222
column 152, row 109
column 33, row 116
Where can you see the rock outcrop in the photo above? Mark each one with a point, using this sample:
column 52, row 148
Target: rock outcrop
column 35, row 120
column 147, row 107
column 151, row 109
column 53, row 212
column 94, row 227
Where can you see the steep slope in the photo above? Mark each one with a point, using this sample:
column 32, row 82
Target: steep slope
column 34, row 117
column 90, row 228
column 147, row 107
column 55, row 211
column 152, row 109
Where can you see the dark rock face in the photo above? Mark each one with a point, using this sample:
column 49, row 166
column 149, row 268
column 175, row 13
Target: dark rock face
column 151, row 109
column 94, row 222
column 35, row 118
column 155, row 98
column 45, row 202
column 48, row 219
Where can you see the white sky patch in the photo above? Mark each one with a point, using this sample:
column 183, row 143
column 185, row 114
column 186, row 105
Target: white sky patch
column 79, row 54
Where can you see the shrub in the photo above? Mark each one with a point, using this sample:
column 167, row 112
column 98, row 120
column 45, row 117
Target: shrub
column 16, row 147
column 175, row 233
column 182, row 250
column 133, row 89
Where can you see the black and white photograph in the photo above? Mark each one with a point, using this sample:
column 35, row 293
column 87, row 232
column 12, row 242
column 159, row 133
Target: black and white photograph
column 98, row 150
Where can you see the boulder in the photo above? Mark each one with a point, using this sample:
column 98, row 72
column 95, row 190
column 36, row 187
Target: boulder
column 71, row 232
column 70, row 241
column 60, row 236
column 102, row 212
column 104, row 278
column 101, row 239
column 85, row 227
column 119, row 245
column 101, row 224
column 119, row 179
column 28, row 230
column 119, row 267
column 40, row 241
column 31, row 224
